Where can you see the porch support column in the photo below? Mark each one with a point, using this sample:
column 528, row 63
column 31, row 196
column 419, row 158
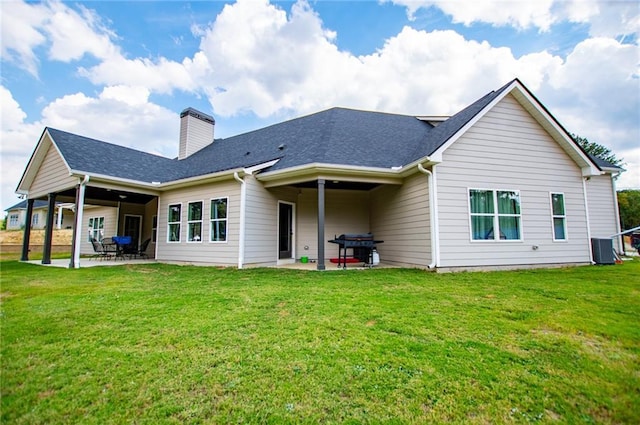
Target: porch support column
column 48, row 231
column 320, row 263
column 59, row 222
column 27, row 231
column 77, row 227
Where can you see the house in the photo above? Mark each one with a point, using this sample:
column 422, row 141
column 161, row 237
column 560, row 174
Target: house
column 16, row 215
column 500, row 184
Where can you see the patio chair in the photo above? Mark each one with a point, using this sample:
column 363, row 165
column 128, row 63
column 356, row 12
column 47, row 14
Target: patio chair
column 111, row 249
column 98, row 250
column 141, row 252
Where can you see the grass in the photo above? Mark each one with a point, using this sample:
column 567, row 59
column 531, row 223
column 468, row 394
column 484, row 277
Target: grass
column 155, row 344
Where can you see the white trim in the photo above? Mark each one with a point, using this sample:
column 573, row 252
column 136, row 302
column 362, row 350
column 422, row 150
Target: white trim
column 617, row 213
column 179, row 222
column 201, row 221
column 226, row 220
column 586, row 215
column 496, row 217
column 293, row 234
column 436, row 215
column 564, row 217
column 243, row 206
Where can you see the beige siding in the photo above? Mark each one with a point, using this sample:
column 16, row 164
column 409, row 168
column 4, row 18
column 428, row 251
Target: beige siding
column 216, row 253
column 400, row 217
column 52, row 176
column 507, row 149
column 110, row 215
column 261, row 231
column 602, row 207
column 346, row 211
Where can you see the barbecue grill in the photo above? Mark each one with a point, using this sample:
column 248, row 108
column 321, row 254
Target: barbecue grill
column 362, row 245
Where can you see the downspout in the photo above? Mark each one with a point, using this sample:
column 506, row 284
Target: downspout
column 586, row 213
column 77, row 229
column 433, row 218
column 243, row 199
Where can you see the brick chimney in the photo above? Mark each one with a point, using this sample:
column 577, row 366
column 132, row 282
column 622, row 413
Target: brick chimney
column 196, row 132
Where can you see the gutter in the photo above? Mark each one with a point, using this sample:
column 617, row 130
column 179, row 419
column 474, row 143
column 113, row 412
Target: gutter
column 433, row 217
column 243, row 199
column 586, row 213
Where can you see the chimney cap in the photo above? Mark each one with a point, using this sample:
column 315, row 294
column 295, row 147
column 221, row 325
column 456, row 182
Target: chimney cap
column 197, row 114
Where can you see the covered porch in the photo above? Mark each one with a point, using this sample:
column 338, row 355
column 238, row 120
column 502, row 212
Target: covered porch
column 101, row 211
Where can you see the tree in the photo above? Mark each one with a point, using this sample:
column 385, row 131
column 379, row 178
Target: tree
column 598, row 150
column 629, row 205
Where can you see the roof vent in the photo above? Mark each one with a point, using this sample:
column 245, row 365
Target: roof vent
column 282, row 146
column 196, row 132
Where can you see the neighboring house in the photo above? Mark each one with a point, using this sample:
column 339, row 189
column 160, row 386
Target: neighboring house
column 499, row 184
column 17, row 214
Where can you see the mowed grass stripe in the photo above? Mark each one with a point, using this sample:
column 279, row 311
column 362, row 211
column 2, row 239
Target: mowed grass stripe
column 176, row 344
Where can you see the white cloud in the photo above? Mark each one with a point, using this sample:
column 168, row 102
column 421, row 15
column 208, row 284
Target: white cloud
column 21, row 33
column 120, row 115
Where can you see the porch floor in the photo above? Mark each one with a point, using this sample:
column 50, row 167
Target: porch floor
column 89, row 262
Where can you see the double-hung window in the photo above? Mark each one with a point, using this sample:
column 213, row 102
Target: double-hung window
column 96, row 228
column 194, row 222
column 13, row 220
column 218, row 228
column 173, row 222
column 495, row 215
column 559, row 217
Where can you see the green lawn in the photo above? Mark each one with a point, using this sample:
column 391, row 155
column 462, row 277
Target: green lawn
column 152, row 344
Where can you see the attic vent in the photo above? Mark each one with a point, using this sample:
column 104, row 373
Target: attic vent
column 434, row 120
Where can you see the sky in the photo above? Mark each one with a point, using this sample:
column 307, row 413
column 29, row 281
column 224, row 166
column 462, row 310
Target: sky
column 122, row 71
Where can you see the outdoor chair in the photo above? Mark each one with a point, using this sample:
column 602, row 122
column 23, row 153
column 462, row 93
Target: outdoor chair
column 111, row 248
column 141, row 252
column 99, row 250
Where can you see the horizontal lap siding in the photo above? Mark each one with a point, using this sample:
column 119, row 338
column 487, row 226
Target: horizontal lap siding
column 346, row 211
column 217, row 253
column 261, row 232
column 602, row 213
column 52, row 176
column 110, row 215
column 400, row 217
column 508, row 149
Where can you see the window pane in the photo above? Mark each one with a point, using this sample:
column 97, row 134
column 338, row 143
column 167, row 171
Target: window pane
column 558, row 229
column 219, row 231
column 174, row 213
column 174, row 233
column 195, row 211
column 557, row 201
column 482, row 227
column 218, row 208
column 508, row 203
column 481, row 201
column 509, row 228
column 195, row 232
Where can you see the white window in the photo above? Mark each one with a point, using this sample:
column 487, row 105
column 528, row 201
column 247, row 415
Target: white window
column 173, row 222
column 13, row 220
column 559, row 217
column 194, row 222
column 218, row 230
column 35, row 219
column 495, row 215
column 96, row 228
column 154, row 229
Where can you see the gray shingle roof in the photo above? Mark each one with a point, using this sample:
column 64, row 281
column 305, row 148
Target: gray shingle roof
column 23, row 205
column 335, row 136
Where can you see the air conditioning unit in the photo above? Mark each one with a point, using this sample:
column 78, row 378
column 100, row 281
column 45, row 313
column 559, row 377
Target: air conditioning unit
column 603, row 251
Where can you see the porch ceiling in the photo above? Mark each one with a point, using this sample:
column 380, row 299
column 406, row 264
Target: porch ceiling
column 96, row 195
column 337, row 184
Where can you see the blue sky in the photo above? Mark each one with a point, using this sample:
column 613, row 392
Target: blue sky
column 122, row 71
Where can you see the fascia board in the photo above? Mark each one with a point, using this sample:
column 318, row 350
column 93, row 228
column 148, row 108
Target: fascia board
column 197, row 180
column 320, row 169
column 439, row 152
column 36, row 160
column 553, row 127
